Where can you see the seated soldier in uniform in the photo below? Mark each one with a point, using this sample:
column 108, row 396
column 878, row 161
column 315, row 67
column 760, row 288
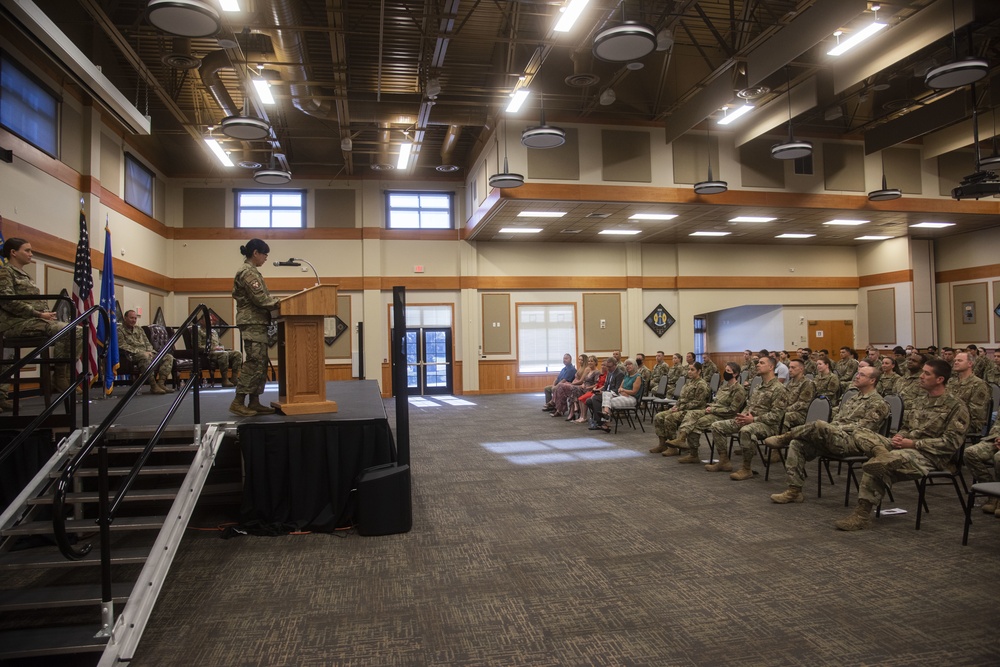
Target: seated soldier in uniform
column 983, row 459
column 728, row 401
column 972, row 391
column 133, row 342
column 694, row 396
column 224, row 360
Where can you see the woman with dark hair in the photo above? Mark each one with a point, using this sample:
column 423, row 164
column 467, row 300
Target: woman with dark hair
column 24, row 318
column 253, row 315
column 826, row 380
column 888, row 383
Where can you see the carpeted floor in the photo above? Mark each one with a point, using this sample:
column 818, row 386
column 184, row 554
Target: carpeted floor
column 537, row 542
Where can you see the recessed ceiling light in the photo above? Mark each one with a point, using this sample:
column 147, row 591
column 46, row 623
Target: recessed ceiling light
column 846, row 222
column 794, row 236
column 872, row 238
column 517, row 99
column 520, row 230
column 857, row 38
column 652, row 216
column 570, row 14
column 751, row 218
column 932, row 225
column 709, row 234
column 620, row 232
column 735, row 114
column 541, row 214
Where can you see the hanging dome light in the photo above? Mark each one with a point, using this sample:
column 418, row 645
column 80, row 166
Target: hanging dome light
column 885, row 193
column 957, row 73
column 710, row 187
column 630, row 40
column 186, row 18
column 791, row 149
column 245, row 128
column 542, row 135
column 506, row 178
column 272, row 175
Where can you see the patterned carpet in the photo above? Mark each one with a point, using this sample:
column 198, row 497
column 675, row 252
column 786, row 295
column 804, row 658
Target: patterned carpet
column 537, row 542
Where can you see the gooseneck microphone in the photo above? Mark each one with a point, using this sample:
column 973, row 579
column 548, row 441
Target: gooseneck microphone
column 297, row 261
column 291, row 262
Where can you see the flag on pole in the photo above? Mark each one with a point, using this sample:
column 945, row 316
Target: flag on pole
column 108, row 338
column 83, row 294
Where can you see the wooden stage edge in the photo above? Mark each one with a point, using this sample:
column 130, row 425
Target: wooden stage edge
column 315, row 408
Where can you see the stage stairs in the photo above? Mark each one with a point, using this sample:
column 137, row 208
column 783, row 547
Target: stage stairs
column 51, row 605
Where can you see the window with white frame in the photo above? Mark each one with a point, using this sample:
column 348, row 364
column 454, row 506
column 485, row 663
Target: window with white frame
column 275, row 209
column 27, row 108
column 545, row 332
column 138, row 185
column 419, row 210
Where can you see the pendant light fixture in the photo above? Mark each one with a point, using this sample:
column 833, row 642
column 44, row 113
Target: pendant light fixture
column 630, row 40
column 542, row 135
column 245, row 127
column 505, row 178
column 885, row 193
column 957, row 72
column 185, row 18
column 991, row 161
column 710, row 186
column 792, row 149
column 273, row 174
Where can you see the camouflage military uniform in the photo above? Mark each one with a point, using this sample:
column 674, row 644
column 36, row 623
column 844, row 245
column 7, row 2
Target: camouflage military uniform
column 800, row 394
column 937, row 426
column 21, row 318
column 750, row 368
column 811, row 368
column 846, row 370
column 828, row 385
column 646, row 374
column 224, row 360
column 694, row 396
column 888, row 384
column 728, row 402
column 767, row 405
column 253, row 313
column 980, row 366
column 819, row 438
column 133, row 341
column 708, row 369
column 910, row 390
column 675, row 373
column 659, row 370
column 977, row 397
column 983, row 458
column 992, row 374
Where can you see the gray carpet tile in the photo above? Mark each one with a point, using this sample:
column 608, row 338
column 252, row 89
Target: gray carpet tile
column 604, row 555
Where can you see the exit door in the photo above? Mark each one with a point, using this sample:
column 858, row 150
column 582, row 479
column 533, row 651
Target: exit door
column 428, row 360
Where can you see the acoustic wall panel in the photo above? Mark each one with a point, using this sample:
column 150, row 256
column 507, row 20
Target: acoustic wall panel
column 561, row 163
column 602, row 322
column 882, row 316
column 757, row 168
column 691, row 155
column 625, row 156
column 336, row 208
column 111, row 165
column 952, row 168
column 496, row 324
column 205, row 207
column 971, row 313
column 902, row 169
column 843, row 167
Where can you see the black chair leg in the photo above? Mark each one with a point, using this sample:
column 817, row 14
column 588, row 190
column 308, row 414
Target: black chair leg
column 970, row 503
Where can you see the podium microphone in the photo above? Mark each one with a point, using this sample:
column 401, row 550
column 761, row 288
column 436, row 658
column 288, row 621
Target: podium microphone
column 296, row 261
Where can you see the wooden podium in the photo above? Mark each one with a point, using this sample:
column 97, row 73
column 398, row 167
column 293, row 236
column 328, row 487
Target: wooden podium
column 301, row 375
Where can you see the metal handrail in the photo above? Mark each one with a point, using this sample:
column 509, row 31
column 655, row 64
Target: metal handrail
column 69, row 391
column 107, row 508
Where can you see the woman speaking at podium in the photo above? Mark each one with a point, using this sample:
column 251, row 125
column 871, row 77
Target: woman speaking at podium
column 253, row 314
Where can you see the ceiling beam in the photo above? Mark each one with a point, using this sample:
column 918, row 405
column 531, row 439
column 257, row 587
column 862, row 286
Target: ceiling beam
column 775, row 113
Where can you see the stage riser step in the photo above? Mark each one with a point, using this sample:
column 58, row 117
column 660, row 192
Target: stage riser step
column 34, row 642
column 92, row 496
column 139, row 448
column 50, row 557
column 121, row 472
column 88, row 526
column 58, row 597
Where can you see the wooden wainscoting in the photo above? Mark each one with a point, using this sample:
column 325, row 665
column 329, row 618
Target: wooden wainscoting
column 493, row 378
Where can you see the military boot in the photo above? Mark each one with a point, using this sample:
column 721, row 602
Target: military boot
column 237, row 407
column 778, row 441
column 60, row 378
column 793, row 494
column 679, row 440
column 860, row 520
column 659, row 449
column 226, row 382
column 774, row 456
column 162, row 381
column 990, row 506
column 257, row 407
column 155, row 387
column 671, row 451
column 745, row 472
column 882, row 465
column 690, row 457
column 722, row 465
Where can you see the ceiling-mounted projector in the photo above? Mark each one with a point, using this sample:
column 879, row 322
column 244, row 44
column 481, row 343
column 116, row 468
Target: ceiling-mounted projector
column 977, row 185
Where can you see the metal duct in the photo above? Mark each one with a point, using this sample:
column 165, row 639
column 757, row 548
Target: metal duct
column 448, row 147
column 401, row 113
column 209, row 73
column 290, row 47
column 384, row 161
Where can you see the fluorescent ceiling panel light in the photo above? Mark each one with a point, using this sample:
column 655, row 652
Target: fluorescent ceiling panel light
column 857, row 38
column 932, row 225
column 570, row 14
column 709, row 234
column 735, row 114
column 541, row 214
column 517, row 100
column 229, row 5
column 263, row 88
column 872, row 238
column 752, row 218
column 652, row 216
column 620, row 232
column 849, row 223
column 794, row 236
column 520, row 230
column 404, row 155
column 219, row 153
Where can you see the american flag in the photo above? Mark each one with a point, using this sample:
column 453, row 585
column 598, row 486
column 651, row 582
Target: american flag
column 83, row 293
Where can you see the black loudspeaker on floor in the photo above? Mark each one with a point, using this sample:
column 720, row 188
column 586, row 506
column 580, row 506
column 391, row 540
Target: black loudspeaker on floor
column 384, row 500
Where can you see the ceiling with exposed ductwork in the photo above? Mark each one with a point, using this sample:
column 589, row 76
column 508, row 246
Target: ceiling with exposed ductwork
column 353, row 80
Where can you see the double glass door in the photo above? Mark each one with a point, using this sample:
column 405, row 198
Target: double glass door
column 428, row 360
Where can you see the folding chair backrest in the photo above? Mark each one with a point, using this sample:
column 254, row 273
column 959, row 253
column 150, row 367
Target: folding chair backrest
column 847, row 394
column 680, row 385
column 713, row 384
column 819, row 410
column 895, row 402
column 744, row 376
column 754, row 383
column 661, row 387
